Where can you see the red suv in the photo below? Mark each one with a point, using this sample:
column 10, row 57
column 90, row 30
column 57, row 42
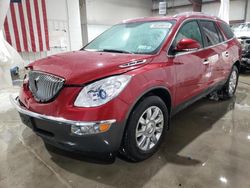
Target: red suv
column 118, row 93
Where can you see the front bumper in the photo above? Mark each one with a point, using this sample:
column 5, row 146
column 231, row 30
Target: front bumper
column 57, row 131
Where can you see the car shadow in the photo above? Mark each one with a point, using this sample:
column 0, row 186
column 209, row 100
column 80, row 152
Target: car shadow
column 246, row 73
column 185, row 128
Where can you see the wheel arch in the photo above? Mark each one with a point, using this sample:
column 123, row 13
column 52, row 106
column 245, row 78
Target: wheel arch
column 237, row 64
column 160, row 91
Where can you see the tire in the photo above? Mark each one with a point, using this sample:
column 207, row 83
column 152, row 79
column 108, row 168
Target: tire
column 138, row 148
column 230, row 87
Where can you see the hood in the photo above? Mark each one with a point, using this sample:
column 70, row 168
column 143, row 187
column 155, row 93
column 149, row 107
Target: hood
column 80, row 67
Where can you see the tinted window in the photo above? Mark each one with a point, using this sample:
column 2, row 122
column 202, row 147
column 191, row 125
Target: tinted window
column 210, row 33
column 189, row 30
column 220, row 34
column 227, row 30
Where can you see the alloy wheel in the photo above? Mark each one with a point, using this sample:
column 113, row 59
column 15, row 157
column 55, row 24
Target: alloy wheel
column 149, row 128
column 232, row 82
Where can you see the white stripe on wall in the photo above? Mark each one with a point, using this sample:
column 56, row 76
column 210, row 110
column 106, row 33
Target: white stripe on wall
column 19, row 26
column 27, row 25
column 33, row 14
column 42, row 24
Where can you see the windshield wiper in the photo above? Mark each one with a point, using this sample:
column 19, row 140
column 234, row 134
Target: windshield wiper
column 116, row 51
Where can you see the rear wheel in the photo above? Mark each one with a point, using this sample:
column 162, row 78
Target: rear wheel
column 231, row 85
column 145, row 129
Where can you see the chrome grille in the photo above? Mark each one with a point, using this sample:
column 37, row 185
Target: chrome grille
column 43, row 86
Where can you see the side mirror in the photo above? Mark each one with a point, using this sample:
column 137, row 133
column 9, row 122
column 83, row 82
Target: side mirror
column 186, row 45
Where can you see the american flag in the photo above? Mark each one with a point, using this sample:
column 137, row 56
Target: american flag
column 26, row 27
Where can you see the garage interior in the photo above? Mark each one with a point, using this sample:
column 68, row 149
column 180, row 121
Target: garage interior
column 207, row 145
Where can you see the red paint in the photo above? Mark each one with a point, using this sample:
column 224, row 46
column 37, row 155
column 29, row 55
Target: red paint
column 38, row 25
column 7, row 31
column 32, row 36
column 187, row 44
column 24, row 33
column 184, row 76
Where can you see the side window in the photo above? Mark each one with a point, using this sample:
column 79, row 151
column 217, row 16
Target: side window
column 210, row 32
column 189, row 30
column 222, row 38
column 227, row 30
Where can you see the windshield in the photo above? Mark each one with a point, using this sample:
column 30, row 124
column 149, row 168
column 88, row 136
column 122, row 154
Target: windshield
column 138, row 38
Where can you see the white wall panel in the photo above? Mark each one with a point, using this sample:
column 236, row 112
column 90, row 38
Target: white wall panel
column 248, row 12
column 103, row 14
column 95, row 30
column 113, row 11
column 236, row 12
column 56, row 9
column 75, row 32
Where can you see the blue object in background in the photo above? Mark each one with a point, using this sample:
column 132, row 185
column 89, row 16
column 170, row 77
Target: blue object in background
column 14, row 71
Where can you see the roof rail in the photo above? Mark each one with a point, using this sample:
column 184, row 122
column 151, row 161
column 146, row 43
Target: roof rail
column 193, row 13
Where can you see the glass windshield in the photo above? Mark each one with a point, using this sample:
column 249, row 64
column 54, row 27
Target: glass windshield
column 138, row 38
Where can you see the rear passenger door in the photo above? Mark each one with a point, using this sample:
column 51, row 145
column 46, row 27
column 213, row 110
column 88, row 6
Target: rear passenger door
column 216, row 51
column 231, row 55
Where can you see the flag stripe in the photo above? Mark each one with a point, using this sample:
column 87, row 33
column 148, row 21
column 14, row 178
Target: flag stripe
column 38, row 25
column 7, row 31
column 11, row 29
column 26, row 25
column 42, row 24
column 32, row 10
column 13, row 15
column 26, row 20
column 19, row 28
column 32, row 36
column 45, row 24
column 25, row 41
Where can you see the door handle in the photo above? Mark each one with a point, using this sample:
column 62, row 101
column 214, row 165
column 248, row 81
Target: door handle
column 205, row 62
column 226, row 54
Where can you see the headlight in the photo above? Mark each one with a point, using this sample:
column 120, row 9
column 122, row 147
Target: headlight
column 102, row 91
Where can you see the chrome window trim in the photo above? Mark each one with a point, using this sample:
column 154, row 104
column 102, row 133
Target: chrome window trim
column 201, row 49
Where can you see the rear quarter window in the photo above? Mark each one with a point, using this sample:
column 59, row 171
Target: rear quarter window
column 210, row 32
column 226, row 30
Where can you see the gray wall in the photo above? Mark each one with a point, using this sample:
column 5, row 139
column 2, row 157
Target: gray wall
column 103, row 14
column 248, row 12
column 237, row 8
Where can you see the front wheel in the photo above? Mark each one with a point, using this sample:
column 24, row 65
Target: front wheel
column 145, row 129
column 231, row 85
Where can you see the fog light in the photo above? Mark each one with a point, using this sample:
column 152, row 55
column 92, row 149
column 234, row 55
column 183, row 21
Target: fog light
column 91, row 128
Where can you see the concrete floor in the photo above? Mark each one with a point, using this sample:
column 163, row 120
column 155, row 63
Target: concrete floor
column 208, row 146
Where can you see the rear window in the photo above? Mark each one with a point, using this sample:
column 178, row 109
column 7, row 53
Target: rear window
column 227, row 30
